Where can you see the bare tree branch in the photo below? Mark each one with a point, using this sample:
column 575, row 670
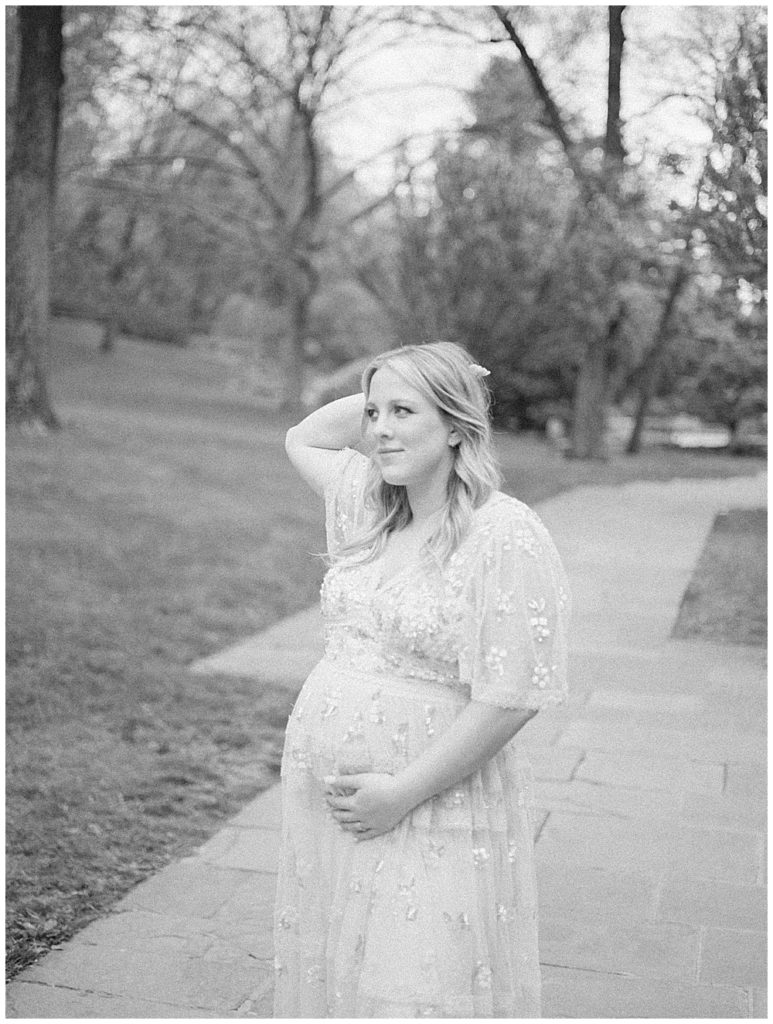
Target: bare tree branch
column 555, row 119
column 216, row 219
column 385, row 90
column 666, row 98
column 252, row 170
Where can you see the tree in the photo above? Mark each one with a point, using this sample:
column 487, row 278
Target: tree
column 716, row 366
column 473, row 254
column 731, row 382
column 253, row 86
column 733, row 195
column 29, row 211
column 460, row 259
column 597, row 190
column 727, row 218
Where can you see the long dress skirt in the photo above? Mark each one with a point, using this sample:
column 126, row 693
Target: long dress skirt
column 437, row 918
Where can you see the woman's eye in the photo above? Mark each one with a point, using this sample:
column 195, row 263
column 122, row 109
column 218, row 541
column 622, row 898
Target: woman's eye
column 370, row 413
column 401, row 410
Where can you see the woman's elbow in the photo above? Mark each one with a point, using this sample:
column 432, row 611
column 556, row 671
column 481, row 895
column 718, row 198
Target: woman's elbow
column 291, row 439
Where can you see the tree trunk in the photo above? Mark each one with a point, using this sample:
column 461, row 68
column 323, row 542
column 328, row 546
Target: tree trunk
column 591, row 398
column 650, row 368
column 592, row 395
column 592, row 390
column 614, row 151
column 115, row 278
column 302, row 288
column 29, row 215
column 554, row 117
column 296, row 354
column 304, row 275
column 109, row 332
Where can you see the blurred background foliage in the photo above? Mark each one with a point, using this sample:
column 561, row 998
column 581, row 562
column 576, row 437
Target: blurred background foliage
column 195, row 180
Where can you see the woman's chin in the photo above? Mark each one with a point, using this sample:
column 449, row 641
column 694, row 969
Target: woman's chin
column 391, row 476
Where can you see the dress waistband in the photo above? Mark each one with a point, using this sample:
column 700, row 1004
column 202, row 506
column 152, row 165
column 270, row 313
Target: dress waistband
column 417, row 688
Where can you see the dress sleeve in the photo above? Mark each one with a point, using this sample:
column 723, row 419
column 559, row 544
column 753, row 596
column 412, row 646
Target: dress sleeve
column 515, row 649
column 344, row 506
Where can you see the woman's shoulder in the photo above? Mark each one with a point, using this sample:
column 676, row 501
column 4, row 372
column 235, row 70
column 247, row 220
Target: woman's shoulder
column 505, row 522
column 503, row 511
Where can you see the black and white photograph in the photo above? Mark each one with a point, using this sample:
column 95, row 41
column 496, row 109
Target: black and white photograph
column 386, row 511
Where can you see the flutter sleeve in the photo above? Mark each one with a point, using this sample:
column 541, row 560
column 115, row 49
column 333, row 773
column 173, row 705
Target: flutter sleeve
column 345, row 512
column 514, row 648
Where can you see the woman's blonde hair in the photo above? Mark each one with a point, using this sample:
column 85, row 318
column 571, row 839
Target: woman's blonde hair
column 446, row 375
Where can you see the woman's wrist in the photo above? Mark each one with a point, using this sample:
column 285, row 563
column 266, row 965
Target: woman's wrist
column 409, row 791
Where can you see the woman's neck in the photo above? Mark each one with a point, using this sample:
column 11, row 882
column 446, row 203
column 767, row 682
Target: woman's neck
column 426, row 502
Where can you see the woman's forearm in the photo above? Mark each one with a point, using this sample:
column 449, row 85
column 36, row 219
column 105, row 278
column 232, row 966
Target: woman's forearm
column 336, row 425
column 475, row 736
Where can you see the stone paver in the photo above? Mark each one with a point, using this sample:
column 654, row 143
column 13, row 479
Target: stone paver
column 742, row 812
column 192, row 887
column 284, row 654
column 760, row 1003
column 554, row 764
column 720, row 904
column 598, row 894
column 733, row 957
column 650, row 823
column 581, row 797
column 208, row 984
column 651, row 773
column 29, row 1000
column 590, row 995
column 744, row 782
column 639, row 738
column 651, row 847
column 243, row 849
column 669, row 951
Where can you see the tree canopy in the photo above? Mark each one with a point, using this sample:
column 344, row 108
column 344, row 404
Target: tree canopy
column 587, row 259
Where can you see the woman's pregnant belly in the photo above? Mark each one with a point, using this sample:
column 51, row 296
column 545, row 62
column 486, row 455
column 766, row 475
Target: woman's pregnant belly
column 348, row 721
column 345, row 722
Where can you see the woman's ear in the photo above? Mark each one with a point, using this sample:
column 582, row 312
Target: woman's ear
column 453, row 438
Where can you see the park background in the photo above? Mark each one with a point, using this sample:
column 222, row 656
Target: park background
column 215, row 216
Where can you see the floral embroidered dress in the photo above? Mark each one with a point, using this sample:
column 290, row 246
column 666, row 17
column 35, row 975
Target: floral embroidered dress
column 437, row 918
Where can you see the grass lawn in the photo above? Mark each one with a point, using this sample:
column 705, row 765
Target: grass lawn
column 160, row 525
column 726, row 601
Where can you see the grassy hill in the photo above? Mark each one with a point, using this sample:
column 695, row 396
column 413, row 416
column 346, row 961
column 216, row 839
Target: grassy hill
column 161, row 524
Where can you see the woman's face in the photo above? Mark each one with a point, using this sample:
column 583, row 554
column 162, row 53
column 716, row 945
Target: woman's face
column 412, row 440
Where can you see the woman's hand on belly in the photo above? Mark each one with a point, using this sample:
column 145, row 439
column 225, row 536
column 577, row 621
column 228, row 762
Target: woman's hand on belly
column 368, row 804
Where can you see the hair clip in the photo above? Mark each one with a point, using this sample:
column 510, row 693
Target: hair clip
column 479, row 371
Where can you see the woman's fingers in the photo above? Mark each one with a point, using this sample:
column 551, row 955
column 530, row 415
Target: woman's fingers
column 339, row 807
column 343, row 781
column 345, row 816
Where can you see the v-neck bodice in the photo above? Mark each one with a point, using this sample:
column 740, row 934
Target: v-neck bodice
column 384, row 581
column 404, row 624
column 491, row 620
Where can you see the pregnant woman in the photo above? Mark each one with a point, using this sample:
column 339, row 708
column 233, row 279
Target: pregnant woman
column 406, row 884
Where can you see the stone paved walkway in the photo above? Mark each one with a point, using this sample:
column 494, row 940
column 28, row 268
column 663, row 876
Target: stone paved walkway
column 651, row 786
